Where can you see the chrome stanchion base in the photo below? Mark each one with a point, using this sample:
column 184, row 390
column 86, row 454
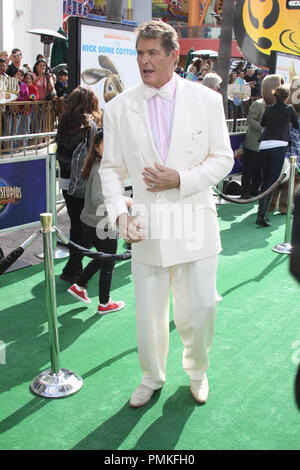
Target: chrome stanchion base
column 59, row 253
column 283, row 248
column 56, row 385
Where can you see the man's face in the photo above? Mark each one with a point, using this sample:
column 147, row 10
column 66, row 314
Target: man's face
column 16, row 57
column 2, row 68
column 63, row 78
column 156, row 67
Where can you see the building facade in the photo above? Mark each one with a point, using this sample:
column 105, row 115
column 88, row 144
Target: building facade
column 19, row 16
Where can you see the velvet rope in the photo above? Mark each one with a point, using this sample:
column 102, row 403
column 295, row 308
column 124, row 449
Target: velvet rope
column 8, row 260
column 96, row 255
column 252, row 199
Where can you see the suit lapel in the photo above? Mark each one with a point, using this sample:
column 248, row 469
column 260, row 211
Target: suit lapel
column 142, row 129
column 178, row 142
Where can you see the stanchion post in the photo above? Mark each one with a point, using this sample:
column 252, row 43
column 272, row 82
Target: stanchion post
column 54, row 382
column 288, row 226
column 286, row 247
column 52, row 178
column 58, row 252
column 46, row 221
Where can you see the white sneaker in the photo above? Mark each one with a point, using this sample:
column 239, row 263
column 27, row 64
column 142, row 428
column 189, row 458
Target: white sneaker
column 199, row 390
column 141, row 396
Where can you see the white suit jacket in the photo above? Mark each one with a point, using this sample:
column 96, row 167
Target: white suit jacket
column 181, row 224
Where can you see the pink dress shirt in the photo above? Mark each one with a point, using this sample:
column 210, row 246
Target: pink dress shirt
column 160, row 112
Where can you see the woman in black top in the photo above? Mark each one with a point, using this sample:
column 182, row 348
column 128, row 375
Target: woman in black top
column 81, row 112
column 274, row 141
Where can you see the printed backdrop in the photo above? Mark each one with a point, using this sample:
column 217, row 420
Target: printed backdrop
column 22, row 192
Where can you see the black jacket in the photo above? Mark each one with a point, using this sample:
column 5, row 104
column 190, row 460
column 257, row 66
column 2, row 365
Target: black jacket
column 66, row 144
column 11, row 70
column 61, row 90
column 276, row 122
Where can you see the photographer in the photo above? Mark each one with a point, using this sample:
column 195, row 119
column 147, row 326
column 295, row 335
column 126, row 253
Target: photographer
column 43, row 80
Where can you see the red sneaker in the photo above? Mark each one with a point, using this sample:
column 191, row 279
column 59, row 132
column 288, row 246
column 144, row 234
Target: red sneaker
column 79, row 294
column 110, row 307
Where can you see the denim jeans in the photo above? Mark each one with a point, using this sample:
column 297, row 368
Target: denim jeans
column 271, row 161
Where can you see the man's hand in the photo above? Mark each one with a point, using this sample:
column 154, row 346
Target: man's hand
column 130, row 228
column 161, row 178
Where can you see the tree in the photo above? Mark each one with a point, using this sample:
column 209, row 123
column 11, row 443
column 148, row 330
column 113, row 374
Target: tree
column 223, row 62
column 114, row 10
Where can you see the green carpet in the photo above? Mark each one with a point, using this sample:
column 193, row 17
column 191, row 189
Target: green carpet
column 253, row 360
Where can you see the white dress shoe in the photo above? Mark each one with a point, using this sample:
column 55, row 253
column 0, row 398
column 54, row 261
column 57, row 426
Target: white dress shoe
column 199, row 390
column 141, row 396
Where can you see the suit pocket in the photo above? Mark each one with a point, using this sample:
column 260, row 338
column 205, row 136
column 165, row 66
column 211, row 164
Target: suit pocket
column 198, row 141
column 196, row 134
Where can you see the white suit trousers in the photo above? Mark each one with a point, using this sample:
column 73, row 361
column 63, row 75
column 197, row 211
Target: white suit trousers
column 195, row 299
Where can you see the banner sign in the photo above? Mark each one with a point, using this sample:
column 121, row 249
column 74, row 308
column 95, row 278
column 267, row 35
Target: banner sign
column 22, row 192
column 108, row 61
column 76, row 8
column 264, row 26
column 238, row 91
column 286, row 65
column 9, row 89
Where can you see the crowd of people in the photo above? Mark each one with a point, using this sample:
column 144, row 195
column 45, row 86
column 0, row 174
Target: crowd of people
column 202, row 71
column 36, row 84
column 47, row 85
column 272, row 136
column 272, row 130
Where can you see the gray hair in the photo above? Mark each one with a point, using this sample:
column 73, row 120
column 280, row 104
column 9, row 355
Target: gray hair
column 212, row 80
column 159, row 30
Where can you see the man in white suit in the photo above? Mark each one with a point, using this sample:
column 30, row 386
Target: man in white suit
column 169, row 136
